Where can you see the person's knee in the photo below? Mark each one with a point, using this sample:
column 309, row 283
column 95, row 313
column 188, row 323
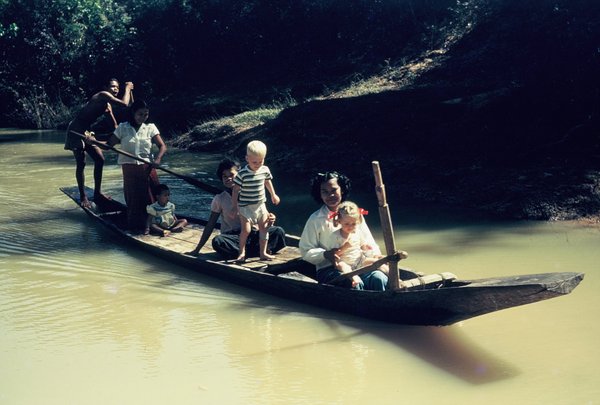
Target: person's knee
column 99, row 160
column 277, row 231
column 377, row 281
column 220, row 244
column 276, row 238
column 217, row 242
column 79, row 160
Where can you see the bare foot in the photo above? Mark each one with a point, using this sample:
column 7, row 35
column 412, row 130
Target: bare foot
column 100, row 197
column 166, row 233
column 267, row 257
column 85, row 203
column 240, row 259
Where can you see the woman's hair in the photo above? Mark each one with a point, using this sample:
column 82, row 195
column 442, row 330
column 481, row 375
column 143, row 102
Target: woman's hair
column 226, row 164
column 320, row 178
column 137, row 105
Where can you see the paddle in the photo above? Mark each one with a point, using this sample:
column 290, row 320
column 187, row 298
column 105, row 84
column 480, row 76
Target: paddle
column 187, row 179
column 373, row 266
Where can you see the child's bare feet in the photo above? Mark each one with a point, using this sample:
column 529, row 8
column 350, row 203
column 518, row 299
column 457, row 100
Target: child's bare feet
column 166, row 233
column 241, row 258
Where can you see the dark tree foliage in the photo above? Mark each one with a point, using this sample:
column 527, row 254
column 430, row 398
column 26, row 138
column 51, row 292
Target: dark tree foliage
column 54, row 51
column 60, row 51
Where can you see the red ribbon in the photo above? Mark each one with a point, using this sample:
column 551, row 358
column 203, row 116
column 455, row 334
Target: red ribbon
column 334, row 214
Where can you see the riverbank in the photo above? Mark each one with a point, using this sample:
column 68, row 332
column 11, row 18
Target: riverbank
column 501, row 118
column 436, row 146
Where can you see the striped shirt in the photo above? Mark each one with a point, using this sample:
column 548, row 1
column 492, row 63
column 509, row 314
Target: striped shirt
column 252, row 185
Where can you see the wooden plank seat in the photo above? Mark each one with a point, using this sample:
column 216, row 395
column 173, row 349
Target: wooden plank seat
column 188, row 239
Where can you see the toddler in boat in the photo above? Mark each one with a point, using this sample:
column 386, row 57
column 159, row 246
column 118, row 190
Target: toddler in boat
column 161, row 214
column 248, row 198
column 353, row 251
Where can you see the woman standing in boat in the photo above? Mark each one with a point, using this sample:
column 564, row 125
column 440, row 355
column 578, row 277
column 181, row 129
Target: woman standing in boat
column 330, row 189
column 227, row 244
column 136, row 137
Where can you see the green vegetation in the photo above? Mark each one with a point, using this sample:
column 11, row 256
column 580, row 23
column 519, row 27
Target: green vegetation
column 61, row 51
column 50, row 49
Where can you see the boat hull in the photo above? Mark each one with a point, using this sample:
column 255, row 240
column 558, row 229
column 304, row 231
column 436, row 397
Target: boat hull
column 444, row 304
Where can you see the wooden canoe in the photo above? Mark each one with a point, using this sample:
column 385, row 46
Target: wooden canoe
column 443, row 302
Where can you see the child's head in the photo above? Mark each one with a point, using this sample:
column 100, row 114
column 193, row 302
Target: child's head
column 349, row 216
column 138, row 113
column 227, row 170
column 162, row 194
column 255, row 154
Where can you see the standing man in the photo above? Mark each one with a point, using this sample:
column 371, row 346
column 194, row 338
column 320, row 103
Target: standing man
column 99, row 104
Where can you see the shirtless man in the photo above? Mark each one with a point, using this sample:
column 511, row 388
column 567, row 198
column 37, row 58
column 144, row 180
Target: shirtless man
column 99, row 104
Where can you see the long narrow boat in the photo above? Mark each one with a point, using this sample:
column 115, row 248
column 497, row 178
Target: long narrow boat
column 444, row 301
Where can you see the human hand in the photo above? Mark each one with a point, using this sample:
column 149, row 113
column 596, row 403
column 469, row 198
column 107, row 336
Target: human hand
column 275, row 199
column 344, row 247
column 332, row 256
column 356, row 281
column 129, row 85
column 271, row 219
column 89, row 137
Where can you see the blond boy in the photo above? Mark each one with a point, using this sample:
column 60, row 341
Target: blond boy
column 249, row 197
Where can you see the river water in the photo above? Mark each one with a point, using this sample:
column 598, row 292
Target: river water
column 85, row 320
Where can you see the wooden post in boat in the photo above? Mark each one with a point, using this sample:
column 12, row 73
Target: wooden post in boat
column 386, row 226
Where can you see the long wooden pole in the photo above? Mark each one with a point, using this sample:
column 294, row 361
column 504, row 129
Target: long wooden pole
column 386, row 226
column 190, row 180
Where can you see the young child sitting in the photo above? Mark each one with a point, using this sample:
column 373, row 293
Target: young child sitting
column 248, row 197
column 353, row 252
column 161, row 214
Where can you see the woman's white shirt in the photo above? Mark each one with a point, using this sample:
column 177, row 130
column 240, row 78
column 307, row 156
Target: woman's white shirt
column 138, row 143
column 316, row 237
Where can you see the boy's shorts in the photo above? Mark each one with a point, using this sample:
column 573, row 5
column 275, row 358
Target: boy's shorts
column 254, row 212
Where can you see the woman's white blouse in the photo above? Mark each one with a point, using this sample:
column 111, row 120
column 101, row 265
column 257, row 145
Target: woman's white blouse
column 138, row 143
column 316, row 237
